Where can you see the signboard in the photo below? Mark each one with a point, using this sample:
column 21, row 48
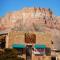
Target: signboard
column 39, row 51
column 30, row 38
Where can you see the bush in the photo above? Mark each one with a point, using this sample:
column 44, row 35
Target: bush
column 21, row 58
column 1, row 54
column 9, row 54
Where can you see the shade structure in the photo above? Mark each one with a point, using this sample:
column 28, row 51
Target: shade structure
column 18, row 46
column 39, row 46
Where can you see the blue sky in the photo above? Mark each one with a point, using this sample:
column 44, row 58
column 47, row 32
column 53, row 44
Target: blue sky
column 14, row 5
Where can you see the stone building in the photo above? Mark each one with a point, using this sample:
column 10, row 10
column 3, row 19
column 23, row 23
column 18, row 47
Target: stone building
column 30, row 45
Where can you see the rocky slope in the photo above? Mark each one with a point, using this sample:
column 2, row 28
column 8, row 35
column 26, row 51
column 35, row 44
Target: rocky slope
column 33, row 19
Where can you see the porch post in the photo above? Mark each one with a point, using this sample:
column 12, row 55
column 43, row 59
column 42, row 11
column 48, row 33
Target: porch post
column 7, row 39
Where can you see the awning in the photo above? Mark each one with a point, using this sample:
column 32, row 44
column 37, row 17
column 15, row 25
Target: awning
column 18, row 46
column 39, row 46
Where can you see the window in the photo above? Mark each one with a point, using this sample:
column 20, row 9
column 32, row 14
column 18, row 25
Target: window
column 48, row 51
column 20, row 51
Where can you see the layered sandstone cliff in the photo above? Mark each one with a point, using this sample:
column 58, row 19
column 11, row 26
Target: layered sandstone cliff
column 28, row 17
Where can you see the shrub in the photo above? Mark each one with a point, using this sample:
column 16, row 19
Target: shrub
column 9, row 54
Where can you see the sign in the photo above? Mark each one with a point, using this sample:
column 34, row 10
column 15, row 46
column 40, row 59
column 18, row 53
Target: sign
column 30, row 38
column 39, row 51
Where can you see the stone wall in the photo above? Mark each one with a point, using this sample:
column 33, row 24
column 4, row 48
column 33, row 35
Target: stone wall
column 18, row 37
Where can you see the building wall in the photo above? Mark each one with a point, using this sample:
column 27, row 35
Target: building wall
column 17, row 37
column 43, row 38
column 41, row 57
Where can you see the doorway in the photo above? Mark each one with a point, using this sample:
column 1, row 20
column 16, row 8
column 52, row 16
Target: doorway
column 2, row 41
column 29, row 52
column 53, row 58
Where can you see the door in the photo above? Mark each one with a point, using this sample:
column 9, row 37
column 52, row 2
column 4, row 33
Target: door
column 53, row 58
column 28, row 52
column 2, row 41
